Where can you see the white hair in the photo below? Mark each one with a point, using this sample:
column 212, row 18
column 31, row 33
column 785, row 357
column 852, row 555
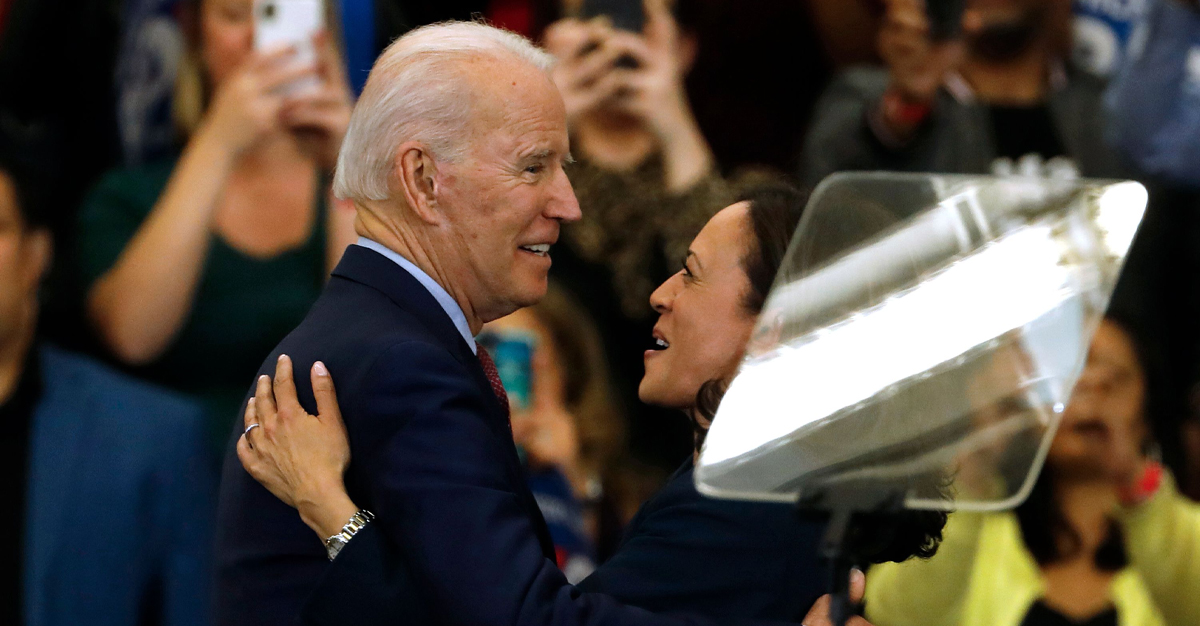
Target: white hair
column 417, row 92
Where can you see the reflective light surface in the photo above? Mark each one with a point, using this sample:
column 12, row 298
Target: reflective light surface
column 921, row 338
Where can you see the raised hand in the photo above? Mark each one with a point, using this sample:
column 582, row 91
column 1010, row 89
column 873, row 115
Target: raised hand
column 918, row 65
column 653, row 90
column 583, row 71
column 320, row 118
column 248, row 105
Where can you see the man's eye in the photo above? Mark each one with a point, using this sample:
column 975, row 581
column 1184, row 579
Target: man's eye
column 535, row 169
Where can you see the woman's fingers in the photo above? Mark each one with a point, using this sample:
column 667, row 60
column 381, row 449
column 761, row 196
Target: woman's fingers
column 324, row 114
column 858, row 585
column 285, row 388
column 818, row 615
column 249, row 419
column 660, row 30
column 326, row 395
column 328, row 60
column 249, row 416
column 264, row 403
column 277, row 77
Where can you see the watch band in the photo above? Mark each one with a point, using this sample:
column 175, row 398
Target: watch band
column 335, row 543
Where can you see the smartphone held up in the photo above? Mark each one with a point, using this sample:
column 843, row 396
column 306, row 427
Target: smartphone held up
column 945, row 18
column 283, row 23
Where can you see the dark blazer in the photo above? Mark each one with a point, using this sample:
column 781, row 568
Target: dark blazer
column 118, row 521
column 721, row 559
column 433, row 457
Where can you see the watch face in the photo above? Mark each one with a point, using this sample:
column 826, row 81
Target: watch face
column 334, row 545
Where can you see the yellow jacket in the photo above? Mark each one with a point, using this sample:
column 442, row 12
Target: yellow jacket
column 983, row 575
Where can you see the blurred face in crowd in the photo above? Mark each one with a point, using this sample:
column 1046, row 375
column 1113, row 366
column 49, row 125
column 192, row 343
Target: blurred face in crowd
column 1104, row 418
column 703, row 324
column 24, row 255
column 226, row 35
column 502, row 203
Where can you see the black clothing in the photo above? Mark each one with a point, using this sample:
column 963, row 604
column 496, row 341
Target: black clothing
column 1042, row 615
column 16, row 419
column 1022, row 130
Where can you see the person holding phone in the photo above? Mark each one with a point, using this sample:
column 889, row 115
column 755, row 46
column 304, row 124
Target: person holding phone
column 179, row 253
column 645, row 176
column 974, row 86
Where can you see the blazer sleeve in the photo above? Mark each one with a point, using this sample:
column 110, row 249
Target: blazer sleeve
column 443, row 497
column 722, row 559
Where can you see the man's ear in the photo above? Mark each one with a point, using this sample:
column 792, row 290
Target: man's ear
column 416, row 177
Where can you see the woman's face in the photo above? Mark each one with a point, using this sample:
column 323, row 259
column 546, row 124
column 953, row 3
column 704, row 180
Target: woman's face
column 1103, row 422
column 703, row 326
column 226, row 36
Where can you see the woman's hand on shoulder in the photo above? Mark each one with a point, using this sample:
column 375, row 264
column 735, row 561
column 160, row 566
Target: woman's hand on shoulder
column 299, row 457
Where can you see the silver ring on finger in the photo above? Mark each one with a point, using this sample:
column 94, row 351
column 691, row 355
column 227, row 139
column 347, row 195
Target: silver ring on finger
column 246, row 434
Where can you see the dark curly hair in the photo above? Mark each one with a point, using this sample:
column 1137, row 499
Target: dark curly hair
column 774, row 214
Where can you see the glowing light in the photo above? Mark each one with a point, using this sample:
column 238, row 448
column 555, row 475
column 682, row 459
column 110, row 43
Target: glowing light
column 1004, row 285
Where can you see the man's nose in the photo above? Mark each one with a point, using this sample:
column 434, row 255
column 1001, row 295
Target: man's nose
column 563, row 205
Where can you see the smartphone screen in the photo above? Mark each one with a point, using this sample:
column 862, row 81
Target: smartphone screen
column 281, row 23
column 512, row 351
column 627, row 15
column 945, row 18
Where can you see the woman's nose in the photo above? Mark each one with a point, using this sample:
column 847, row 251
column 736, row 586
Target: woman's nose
column 662, row 297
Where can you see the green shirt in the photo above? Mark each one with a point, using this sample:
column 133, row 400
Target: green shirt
column 243, row 305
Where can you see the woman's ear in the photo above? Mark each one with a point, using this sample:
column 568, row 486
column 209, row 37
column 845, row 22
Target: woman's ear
column 416, row 178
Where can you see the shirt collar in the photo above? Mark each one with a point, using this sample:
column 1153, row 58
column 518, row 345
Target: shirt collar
column 449, row 305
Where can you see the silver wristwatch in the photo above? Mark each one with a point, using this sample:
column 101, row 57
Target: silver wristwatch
column 334, row 544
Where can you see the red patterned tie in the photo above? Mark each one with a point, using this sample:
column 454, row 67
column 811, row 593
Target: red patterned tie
column 493, row 376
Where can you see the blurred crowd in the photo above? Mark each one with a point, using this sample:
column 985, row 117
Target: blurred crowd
column 166, row 218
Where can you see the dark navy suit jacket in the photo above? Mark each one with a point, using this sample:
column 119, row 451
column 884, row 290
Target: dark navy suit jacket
column 118, row 519
column 725, row 560
column 433, row 457
column 721, row 558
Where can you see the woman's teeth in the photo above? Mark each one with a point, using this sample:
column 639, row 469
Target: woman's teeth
column 660, row 344
column 540, row 249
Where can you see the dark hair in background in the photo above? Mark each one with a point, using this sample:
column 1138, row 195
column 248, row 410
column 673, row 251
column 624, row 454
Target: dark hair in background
column 1044, row 527
column 774, row 214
